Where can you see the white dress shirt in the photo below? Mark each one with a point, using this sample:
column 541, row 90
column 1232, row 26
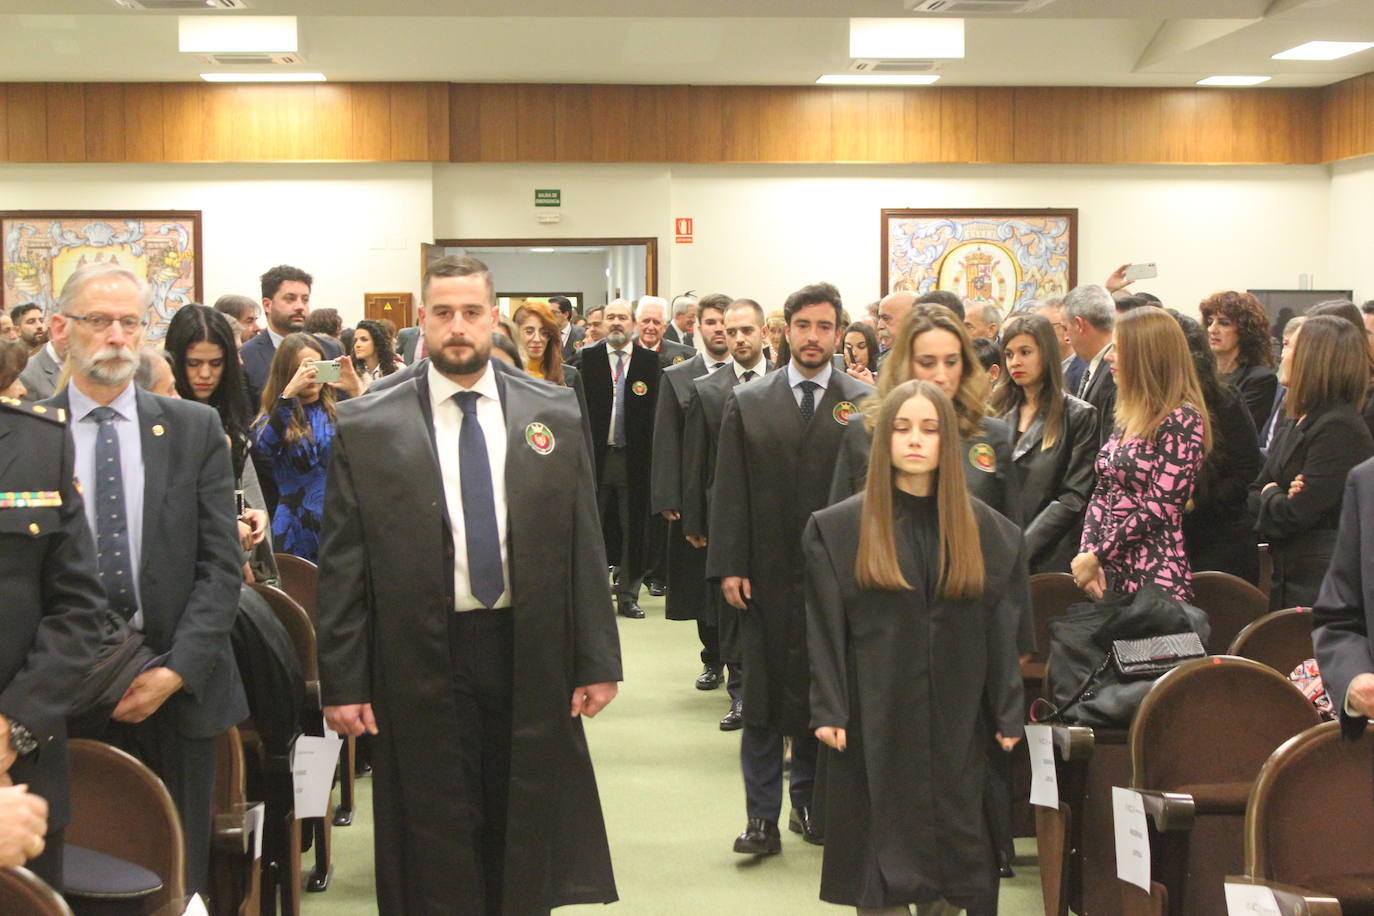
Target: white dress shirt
column 611, row 359
column 1093, row 366
column 822, row 380
column 448, row 421
column 757, row 369
column 275, row 337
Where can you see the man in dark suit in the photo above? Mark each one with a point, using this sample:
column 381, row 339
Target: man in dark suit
column 1343, row 615
column 465, row 668
column 570, row 335
column 166, row 542
column 621, row 382
column 718, row 628
column 50, row 617
column 779, row 439
column 408, row 343
column 686, row 567
column 285, row 304
column 1090, row 316
column 685, row 312
column 44, row 369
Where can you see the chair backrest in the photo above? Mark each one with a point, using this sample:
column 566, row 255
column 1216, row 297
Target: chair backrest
column 1281, row 639
column 22, row 893
column 299, row 578
column 299, row 628
column 1051, row 596
column 1231, row 603
column 1311, row 812
column 1214, row 721
column 121, row 808
column 231, row 791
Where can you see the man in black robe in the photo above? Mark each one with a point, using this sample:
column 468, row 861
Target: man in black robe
column 719, row 625
column 778, row 442
column 688, row 595
column 463, row 614
column 650, row 322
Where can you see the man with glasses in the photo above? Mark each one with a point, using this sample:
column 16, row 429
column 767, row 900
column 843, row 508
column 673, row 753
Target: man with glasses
column 160, row 501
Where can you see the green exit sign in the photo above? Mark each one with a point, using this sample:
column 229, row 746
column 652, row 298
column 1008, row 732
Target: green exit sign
column 548, row 197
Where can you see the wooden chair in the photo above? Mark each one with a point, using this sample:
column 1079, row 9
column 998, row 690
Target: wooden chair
column 1197, row 744
column 1280, row 639
column 235, row 884
column 1309, row 825
column 1231, row 604
column 283, row 867
column 22, row 893
column 120, row 809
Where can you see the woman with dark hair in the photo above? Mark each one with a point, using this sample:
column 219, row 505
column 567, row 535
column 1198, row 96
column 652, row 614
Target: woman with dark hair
column 294, row 431
column 373, row 354
column 913, row 593
column 1218, row 533
column 203, row 348
column 14, row 356
column 1296, row 500
column 1238, row 333
column 861, row 347
column 1053, row 444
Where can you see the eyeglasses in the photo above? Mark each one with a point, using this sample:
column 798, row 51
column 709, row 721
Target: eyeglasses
column 101, row 322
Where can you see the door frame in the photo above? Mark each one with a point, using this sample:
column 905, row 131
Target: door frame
column 650, row 250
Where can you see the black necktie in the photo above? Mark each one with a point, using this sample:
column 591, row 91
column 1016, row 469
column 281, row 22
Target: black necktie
column 479, row 506
column 1083, row 382
column 111, row 525
column 808, row 401
column 715, row 366
column 748, row 375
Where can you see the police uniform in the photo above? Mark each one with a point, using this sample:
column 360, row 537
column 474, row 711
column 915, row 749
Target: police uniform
column 52, row 608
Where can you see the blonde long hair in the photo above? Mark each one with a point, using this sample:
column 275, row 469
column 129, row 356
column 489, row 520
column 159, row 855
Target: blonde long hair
column 970, row 401
column 961, row 552
column 1155, row 374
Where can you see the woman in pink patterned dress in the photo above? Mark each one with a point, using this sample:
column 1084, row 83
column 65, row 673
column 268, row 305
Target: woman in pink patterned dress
column 1133, row 531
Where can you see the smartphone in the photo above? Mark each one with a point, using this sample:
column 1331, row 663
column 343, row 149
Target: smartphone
column 326, row 370
column 849, row 351
column 1141, row 272
column 240, row 507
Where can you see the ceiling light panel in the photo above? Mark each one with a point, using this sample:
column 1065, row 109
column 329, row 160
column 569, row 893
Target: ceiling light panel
column 237, row 35
column 906, row 38
column 863, row 79
column 263, row 77
column 1324, row 50
column 1233, row 81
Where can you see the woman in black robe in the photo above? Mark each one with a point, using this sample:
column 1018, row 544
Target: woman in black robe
column 909, row 572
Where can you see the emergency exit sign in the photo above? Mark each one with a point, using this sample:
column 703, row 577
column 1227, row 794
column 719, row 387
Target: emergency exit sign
column 548, row 197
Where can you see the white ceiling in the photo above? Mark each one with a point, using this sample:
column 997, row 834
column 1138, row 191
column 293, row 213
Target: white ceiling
column 765, row 42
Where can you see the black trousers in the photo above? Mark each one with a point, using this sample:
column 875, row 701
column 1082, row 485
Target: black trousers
column 760, row 757
column 709, row 634
column 615, row 485
column 48, row 865
column 481, row 651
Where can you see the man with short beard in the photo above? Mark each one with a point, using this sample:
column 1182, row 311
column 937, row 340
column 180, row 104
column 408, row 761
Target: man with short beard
column 285, row 305
column 688, row 597
column 160, row 501
column 779, row 439
column 620, row 379
column 46, row 357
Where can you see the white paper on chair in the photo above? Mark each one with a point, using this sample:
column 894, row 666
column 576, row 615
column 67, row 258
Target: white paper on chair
column 312, row 773
column 195, row 907
column 1251, row 900
column 253, row 817
column 1044, row 790
column 1132, row 838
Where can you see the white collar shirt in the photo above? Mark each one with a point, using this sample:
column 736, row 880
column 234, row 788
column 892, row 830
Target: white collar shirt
column 740, row 369
column 822, row 381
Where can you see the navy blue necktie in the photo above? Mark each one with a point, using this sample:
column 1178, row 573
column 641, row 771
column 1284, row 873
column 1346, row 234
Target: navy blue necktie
column 479, row 506
column 808, row 402
column 619, row 432
column 111, row 525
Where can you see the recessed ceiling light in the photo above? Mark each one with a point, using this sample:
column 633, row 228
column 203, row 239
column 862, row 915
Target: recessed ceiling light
column 867, row 79
column 1323, row 50
column 237, row 35
column 1233, row 80
column 263, row 77
column 902, row 39
column 542, row 250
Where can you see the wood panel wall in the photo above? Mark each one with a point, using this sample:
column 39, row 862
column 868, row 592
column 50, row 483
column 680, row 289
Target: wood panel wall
column 221, row 122
column 440, row 122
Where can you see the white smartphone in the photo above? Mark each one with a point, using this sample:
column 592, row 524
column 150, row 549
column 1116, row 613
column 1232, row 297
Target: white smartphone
column 1141, row 272
column 326, row 370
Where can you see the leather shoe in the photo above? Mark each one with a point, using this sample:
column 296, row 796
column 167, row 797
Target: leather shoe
column 709, row 678
column 657, row 589
column 800, row 822
column 631, row 610
column 760, row 838
column 1004, row 867
column 734, row 719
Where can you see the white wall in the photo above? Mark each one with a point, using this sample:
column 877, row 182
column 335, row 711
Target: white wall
column 523, row 272
column 356, row 228
column 1351, row 233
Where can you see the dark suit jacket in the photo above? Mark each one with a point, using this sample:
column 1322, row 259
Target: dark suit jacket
column 1049, row 488
column 701, row 431
column 575, row 337
column 671, row 333
column 189, row 572
column 1218, row 533
column 1073, row 372
column 1101, row 394
column 53, row 602
column 407, row 342
column 1343, row 614
column 671, row 354
column 40, row 375
column 257, row 354
column 1257, row 387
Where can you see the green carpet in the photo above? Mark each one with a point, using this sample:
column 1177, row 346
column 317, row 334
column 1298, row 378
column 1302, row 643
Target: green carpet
column 673, row 799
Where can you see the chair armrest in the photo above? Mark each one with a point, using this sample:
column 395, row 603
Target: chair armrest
column 1293, row 900
column 1074, row 742
column 1170, row 811
column 229, row 834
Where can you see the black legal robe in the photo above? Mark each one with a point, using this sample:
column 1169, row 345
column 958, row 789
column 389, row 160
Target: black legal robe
column 671, row 353
column 920, row 683
column 687, row 589
column 641, row 396
column 386, row 593
column 773, row 471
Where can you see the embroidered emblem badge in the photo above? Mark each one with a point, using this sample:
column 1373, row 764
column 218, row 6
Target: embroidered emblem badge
column 640, row 388
column 983, row 457
column 539, row 438
column 844, row 411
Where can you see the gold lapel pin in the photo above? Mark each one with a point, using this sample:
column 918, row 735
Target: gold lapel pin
column 158, row 430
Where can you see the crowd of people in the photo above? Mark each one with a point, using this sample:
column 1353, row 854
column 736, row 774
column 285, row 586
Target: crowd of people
column 848, row 506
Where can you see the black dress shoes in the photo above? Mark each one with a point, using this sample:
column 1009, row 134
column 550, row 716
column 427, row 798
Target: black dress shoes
column 631, row 609
column 709, row 678
column 760, row 838
column 1004, row 867
column 800, row 822
column 734, row 719
column 657, row 589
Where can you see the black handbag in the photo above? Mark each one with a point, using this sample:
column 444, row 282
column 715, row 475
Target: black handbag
column 121, row 657
column 1152, row 656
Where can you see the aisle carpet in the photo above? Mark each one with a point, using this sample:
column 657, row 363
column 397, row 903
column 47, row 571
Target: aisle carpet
column 671, row 792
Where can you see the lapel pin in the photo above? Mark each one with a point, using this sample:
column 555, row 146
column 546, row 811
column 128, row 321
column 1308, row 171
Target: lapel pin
column 640, row 388
column 844, row 411
column 539, row 438
column 158, row 430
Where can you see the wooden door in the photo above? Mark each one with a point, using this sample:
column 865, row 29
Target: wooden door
column 399, row 308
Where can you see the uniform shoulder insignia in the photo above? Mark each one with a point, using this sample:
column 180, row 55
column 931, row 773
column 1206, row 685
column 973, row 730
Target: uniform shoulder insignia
column 56, row 415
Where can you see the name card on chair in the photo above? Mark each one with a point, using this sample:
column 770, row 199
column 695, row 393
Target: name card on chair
column 312, row 773
column 1132, row 838
column 1251, row 900
column 253, row 822
column 195, row 907
column 1044, row 788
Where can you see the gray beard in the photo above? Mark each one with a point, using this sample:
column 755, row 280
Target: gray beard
column 617, row 340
